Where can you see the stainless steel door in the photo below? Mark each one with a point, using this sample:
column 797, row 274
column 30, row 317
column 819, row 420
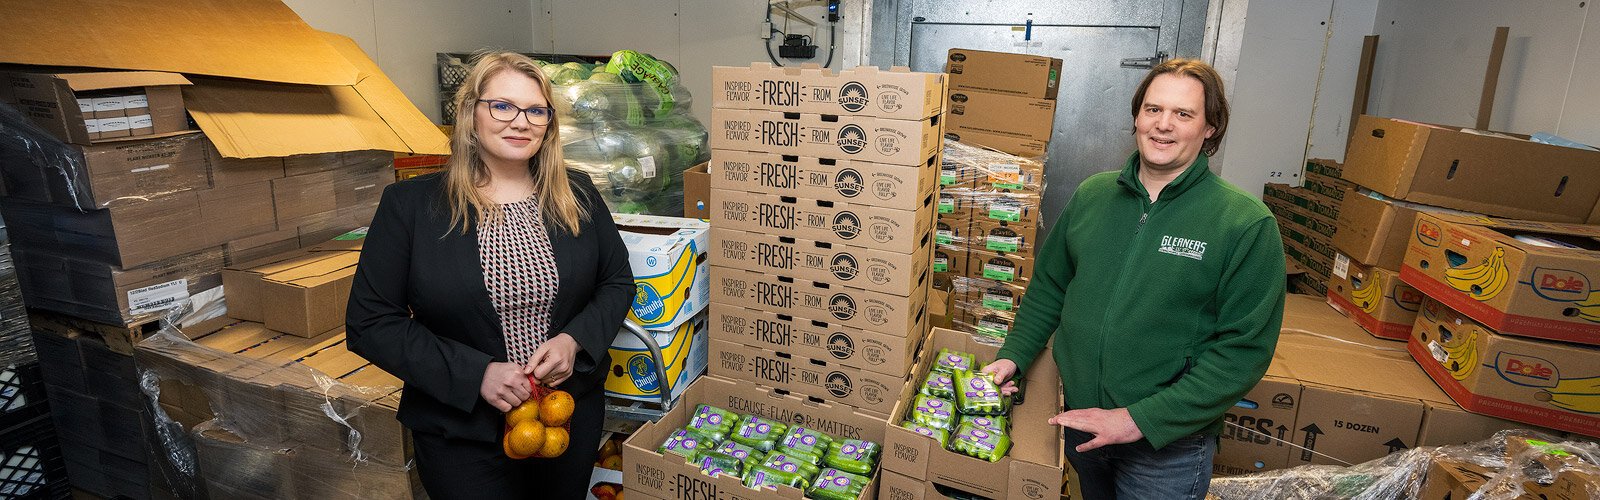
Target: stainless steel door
column 1094, row 127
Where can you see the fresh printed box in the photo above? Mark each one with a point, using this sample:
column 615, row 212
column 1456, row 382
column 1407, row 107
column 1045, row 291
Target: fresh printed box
column 668, row 256
column 1525, row 278
column 1550, row 384
column 684, row 351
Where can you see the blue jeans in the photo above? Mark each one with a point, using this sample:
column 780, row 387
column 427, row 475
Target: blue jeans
column 1182, row 469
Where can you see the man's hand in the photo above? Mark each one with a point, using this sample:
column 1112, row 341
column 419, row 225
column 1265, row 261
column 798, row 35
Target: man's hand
column 504, row 386
column 552, row 362
column 1003, row 370
column 1107, row 426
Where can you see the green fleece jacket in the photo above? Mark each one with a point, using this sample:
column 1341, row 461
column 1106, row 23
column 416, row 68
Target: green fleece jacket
column 1170, row 309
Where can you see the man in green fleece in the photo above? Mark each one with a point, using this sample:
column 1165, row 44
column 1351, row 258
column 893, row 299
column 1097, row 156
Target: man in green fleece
column 1162, row 287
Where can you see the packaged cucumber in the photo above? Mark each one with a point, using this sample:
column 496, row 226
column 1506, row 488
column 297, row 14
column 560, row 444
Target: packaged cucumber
column 940, row 435
column 789, row 463
column 933, row 412
column 853, row 455
column 734, row 449
column 978, row 394
column 713, row 421
column 994, row 424
column 980, row 443
column 758, row 433
column 684, row 443
column 939, row 385
column 714, row 464
column 801, row 441
column 761, row 476
column 834, row 484
column 950, row 361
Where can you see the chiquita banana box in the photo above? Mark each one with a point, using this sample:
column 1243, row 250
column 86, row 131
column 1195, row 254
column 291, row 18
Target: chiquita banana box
column 1551, row 384
column 1523, row 278
column 633, row 373
column 671, row 279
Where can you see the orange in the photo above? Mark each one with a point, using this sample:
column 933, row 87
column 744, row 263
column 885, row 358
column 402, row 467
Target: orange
column 528, row 410
column 505, row 444
column 613, row 462
column 556, row 409
column 610, row 448
column 555, row 442
column 526, row 438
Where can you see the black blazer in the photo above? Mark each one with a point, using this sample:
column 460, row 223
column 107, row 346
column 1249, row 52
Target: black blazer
column 419, row 308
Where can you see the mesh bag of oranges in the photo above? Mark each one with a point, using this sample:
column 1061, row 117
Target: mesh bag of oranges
column 541, row 426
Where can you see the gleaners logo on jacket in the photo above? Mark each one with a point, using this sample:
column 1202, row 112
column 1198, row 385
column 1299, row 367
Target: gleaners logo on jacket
column 1183, row 247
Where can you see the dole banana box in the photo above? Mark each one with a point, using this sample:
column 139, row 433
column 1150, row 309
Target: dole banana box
column 884, row 185
column 633, row 374
column 822, row 300
column 1374, row 297
column 1543, row 383
column 898, row 231
column 666, row 476
column 815, row 339
column 880, row 140
column 866, row 90
column 1524, row 278
column 668, row 256
column 1031, row 470
column 860, row 267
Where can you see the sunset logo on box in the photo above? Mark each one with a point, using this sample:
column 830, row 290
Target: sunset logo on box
column 1526, row 370
column 1428, row 233
column 1560, row 284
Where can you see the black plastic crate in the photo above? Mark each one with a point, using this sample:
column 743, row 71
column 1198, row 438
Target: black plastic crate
column 22, row 394
column 31, row 465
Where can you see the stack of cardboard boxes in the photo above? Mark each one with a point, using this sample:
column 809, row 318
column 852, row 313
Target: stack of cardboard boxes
column 821, row 209
column 114, row 226
column 673, row 288
column 1307, row 216
column 1000, row 112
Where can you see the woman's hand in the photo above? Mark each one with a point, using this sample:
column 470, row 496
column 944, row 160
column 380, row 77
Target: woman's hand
column 552, row 362
column 504, row 386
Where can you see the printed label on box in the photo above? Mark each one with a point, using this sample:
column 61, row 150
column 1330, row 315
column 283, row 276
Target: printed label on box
column 1341, row 266
column 159, row 296
column 1003, row 243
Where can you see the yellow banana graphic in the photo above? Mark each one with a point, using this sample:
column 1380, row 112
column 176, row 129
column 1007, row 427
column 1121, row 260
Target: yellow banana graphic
column 1462, row 358
column 657, row 298
column 1368, row 297
column 1581, row 395
column 1483, row 281
column 1589, row 309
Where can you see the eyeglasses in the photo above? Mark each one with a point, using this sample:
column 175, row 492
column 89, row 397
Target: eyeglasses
column 505, row 111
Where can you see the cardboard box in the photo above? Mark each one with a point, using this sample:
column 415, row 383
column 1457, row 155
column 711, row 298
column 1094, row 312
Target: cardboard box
column 898, row 231
column 1309, row 239
column 299, row 197
column 1540, row 383
column 302, row 292
column 1326, row 208
column 826, row 301
column 225, row 171
column 1484, row 268
column 1445, row 423
column 1450, row 478
column 1008, row 268
column 129, row 171
column 401, row 174
column 108, row 294
column 949, row 261
column 952, row 233
column 1355, row 405
column 1003, row 115
column 863, row 389
column 51, row 101
column 1290, row 215
column 697, row 192
column 871, row 351
column 872, row 184
column 238, row 211
column 668, row 256
column 1003, row 73
column 1015, row 207
column 1376, row 231
column 1004, row 237
column 860, row 267
column 1491, row 173
column 1033, row 468
column 322, row 227
column 1310, row 321
column 667, row 476
column 125, row 235
column 864, row 90
column 982, row 296
column 1374, row 297
column 954, row 203
column 1255, row 435
column 878, row 140
column 1326, row 186
column 633, row 374
column 298, row 165
column 1020, row 146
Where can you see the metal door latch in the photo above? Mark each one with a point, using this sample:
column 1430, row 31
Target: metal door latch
column 1144, row 62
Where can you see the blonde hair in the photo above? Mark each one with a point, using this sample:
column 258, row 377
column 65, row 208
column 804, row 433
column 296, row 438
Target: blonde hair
column 465, row 172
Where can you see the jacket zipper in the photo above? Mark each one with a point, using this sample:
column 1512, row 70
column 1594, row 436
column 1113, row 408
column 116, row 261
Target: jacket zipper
column 1146, row 207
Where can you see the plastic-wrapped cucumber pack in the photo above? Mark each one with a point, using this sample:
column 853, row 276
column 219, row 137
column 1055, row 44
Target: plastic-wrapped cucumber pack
column 976, row 422
column 977, row 393
column 627, row 123
column 979, row 442
column 764, row 454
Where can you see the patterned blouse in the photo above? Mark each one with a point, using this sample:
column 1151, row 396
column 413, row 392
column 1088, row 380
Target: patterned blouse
column 519, row 268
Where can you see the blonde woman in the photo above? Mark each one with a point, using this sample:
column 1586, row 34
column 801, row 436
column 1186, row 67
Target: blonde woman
column 504, row 266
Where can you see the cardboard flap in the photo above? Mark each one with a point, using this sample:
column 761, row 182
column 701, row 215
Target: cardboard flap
column 120, row 79
column 256, row 119
column 318, row 271
column 252, row 39
column 407, row 122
